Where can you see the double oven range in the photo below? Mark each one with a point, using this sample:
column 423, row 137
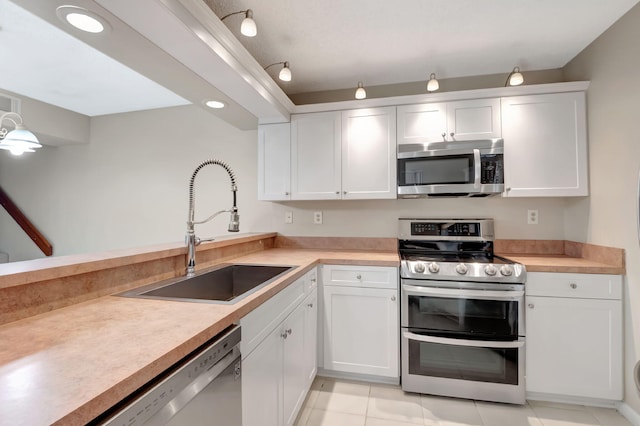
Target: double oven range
column 462, row 317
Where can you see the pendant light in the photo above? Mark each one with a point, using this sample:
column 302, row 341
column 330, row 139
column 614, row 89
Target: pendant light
column 514, row 78
column 360, row 92
column 248, row 27
column 19, row 140
column 432, row 84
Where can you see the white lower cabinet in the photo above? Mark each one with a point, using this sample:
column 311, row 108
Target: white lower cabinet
column 278, row 371
column 361, row 320
column 574, row 335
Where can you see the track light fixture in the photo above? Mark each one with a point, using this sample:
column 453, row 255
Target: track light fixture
column 514, row 78
column 360, row 92
column 248, row 27
column 285, row 72
column 19, row 140
column 432, row 84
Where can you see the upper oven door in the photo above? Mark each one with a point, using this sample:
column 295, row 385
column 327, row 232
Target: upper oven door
column 462, row 312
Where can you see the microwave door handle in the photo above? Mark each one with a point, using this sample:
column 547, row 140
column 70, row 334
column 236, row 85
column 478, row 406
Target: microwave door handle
column 463, row 342
column 477, row 162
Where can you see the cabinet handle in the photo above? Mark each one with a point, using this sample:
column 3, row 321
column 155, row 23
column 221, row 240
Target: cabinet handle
column 310, row 305
column 573, row 285
column 359, row 277
column 289, row 332
column 393, row 298
column 531, row 305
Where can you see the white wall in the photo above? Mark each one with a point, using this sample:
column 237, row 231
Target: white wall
column 608, row 216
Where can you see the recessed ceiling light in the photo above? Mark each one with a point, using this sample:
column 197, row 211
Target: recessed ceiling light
column 82, row 19
column 215, row 104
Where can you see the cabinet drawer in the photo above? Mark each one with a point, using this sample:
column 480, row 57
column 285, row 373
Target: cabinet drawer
column 584, row 286
column 260, row 322
column 360, row 276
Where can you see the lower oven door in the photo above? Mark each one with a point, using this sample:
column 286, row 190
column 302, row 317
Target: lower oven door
column 475, row 369
column 462, row 311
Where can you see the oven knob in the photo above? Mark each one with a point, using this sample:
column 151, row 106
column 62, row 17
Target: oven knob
column 434, row 268
column 490, row 270
column 419, row 267
column 461, row 268
column 506, row 270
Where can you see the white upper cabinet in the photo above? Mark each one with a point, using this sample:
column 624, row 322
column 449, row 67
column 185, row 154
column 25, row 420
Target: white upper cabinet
column 545, row 145
column 274, row 162
column 459, row 120
column 316, row 144
column 369, row 153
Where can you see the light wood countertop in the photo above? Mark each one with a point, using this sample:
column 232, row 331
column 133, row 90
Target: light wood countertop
column 564, row 264
column 70, row 365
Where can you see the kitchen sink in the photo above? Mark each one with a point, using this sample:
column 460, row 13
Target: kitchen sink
column 227, row 284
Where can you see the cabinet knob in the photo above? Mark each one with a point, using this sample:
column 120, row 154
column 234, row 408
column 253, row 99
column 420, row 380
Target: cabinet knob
column 313, row 280
column 284, row 335
column 444, row 136
column 289, row 332
column 452, row 134
column 508, row 189
column 344, row 192
column 359, row 276
column 573, row 285
column 393, row 298
column 531, row 305
column 310, row 305
column 286, row 193
column 337, row 192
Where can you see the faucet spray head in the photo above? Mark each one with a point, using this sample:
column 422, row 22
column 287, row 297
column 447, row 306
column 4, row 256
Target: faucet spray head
column 234, row 223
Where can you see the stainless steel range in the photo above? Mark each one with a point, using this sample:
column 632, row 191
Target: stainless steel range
column 462, row 316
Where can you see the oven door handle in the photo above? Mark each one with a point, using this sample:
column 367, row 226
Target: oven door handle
column 477, row 163
column 511, row 295
column 463, row 342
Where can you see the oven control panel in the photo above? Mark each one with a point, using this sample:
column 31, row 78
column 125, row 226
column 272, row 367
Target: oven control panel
column 446, row 229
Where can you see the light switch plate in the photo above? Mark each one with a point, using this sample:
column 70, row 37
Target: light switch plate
column 317, row 218
column 288, row 217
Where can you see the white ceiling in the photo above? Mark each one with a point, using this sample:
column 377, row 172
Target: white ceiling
column 45, row 63
column 330, row 44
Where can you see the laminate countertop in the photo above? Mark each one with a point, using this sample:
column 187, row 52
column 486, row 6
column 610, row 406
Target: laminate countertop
column 70, row 365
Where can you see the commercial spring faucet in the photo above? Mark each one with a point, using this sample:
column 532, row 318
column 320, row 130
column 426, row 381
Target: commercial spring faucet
column 234, row 223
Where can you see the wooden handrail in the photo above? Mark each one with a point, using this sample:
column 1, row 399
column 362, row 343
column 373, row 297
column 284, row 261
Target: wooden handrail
column 25, row 224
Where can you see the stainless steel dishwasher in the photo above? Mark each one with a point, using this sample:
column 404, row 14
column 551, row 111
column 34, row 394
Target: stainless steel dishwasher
column 203, row 389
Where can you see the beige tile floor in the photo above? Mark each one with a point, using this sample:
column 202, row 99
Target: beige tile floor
column 332, row 402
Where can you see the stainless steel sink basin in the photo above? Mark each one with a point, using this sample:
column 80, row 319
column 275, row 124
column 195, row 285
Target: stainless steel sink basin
column 226, row 284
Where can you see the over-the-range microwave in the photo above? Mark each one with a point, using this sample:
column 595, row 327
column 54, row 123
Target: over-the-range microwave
column 456, row 168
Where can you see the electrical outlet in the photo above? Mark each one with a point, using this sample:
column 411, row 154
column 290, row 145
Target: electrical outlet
column 317, row 218
column 288, row 217
column 532, row 217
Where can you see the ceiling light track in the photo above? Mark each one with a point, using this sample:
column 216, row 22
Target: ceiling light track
column 248, row 27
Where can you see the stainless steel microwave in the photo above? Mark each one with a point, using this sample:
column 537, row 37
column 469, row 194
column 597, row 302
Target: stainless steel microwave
column 457, row 168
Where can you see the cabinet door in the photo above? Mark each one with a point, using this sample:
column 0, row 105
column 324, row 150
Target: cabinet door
column 369, row 153
column 474, row 119
column 361, row 330
column 422, row 123
column 315, row 156
column 262, row 383
column 311, row 337
column 274, row 160
column 294, row 364
column 574, row 347
column 545, row 145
